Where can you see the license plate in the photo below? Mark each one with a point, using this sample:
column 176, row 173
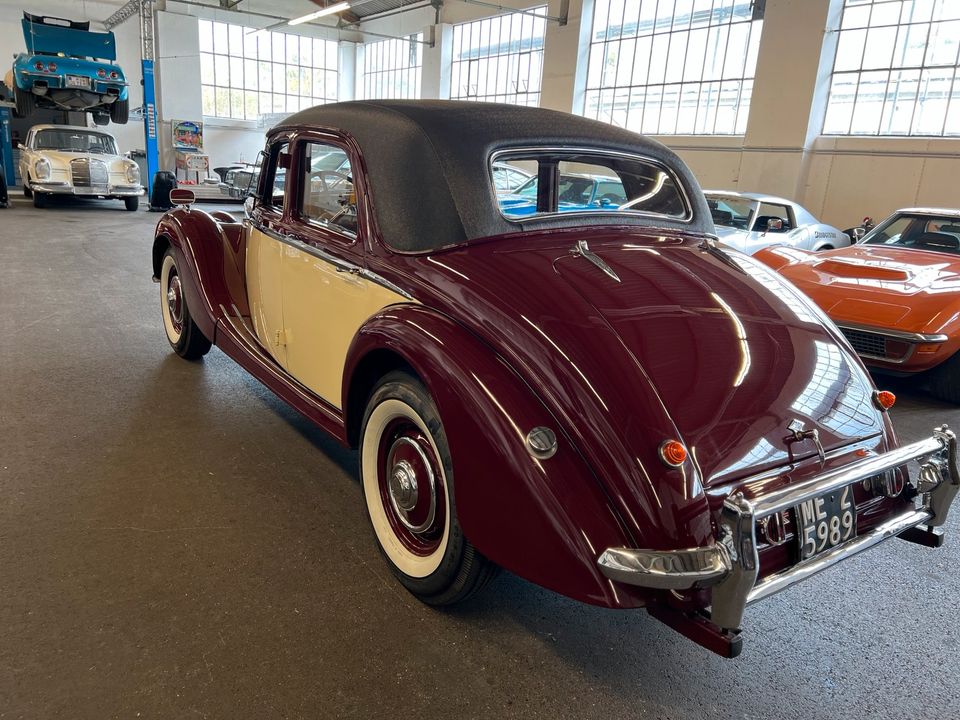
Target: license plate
column 78, row 81
column 826, row 521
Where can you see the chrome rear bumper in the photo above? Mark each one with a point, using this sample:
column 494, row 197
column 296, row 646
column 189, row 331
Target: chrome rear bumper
column 731, row 565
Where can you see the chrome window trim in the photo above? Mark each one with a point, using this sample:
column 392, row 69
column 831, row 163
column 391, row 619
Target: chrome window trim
column 338, row 263
column 497, row 156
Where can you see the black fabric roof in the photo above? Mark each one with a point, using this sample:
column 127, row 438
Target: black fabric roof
column 428, row 165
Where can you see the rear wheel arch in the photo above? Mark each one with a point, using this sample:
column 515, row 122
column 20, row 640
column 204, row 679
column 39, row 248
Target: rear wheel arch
column 160, row 245
column 485, row 408
column 367, row 372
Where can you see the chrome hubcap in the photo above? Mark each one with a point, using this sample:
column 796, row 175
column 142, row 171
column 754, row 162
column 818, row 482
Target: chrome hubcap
column 175, row 302
column 411, row 485
column 403, row 486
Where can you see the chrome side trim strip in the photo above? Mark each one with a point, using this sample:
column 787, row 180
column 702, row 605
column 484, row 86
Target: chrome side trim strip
column 340, row 264
column 894, row 334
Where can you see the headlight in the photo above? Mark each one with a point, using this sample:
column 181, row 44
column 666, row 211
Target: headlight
column 41, row 168
column 133, row 173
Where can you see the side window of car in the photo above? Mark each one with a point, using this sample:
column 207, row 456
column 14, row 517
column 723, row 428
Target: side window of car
column 328, row 193
column 769, row 211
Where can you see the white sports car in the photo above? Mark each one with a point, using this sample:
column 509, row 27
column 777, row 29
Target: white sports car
column 750, row 221
column 67, row 160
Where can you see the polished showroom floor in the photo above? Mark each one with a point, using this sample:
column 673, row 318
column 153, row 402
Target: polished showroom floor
column 176, row 543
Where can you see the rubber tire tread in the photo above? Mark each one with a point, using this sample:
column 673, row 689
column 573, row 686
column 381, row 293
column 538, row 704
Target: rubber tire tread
column 192, row 345
column 120, row 112
column 464, row 571
column 25, row 102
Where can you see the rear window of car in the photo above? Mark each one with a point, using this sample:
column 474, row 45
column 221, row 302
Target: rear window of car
column 573, row 181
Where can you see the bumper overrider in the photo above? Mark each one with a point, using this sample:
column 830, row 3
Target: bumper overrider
column 730, row 566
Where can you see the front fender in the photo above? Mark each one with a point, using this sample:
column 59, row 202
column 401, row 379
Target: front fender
column 546, row 521
column 210, row 258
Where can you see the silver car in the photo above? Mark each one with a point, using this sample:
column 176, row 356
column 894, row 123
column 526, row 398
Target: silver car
column 751, row 221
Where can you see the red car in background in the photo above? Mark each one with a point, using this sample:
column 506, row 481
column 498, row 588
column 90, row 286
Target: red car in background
column 895, row 294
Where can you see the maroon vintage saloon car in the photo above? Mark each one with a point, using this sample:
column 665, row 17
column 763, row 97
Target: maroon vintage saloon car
column 595, row 397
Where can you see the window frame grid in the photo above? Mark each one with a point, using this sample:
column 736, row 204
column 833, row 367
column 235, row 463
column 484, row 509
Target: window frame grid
column 666, row 94
column 392, row 67
column 261, row 44
column 468, row 38
column 891, row 68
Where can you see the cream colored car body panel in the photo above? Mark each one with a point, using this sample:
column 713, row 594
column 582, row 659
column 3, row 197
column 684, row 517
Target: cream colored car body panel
column 306, row 313
column 323, row 310
column 263, row 258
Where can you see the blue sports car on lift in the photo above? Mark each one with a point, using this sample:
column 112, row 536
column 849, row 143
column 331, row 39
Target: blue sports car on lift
column 577, row 192
column 67, row 67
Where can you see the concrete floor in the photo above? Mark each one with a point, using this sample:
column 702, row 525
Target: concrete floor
column 176, row 543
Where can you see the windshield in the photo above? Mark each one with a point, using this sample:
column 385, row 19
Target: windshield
column 921, row 232
column 731, row 212
column 76, row 141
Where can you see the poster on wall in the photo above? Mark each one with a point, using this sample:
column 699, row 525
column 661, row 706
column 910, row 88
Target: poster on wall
column 187, row 135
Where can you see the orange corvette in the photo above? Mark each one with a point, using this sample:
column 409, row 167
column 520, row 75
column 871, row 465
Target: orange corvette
column 895, row 294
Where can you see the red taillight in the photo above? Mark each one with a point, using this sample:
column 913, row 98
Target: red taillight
column 885, row 399
column 673, row 453
column 38, row 65
column 114, row 75
column 101, row 73
column 52, row 67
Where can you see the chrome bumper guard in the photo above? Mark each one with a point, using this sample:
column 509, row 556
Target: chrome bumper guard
column 731, row 565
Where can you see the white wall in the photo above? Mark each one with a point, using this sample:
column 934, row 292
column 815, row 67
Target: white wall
column 840, row 179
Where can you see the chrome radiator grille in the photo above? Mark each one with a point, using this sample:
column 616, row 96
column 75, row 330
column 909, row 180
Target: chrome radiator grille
column 866, row 343
column 90, row 174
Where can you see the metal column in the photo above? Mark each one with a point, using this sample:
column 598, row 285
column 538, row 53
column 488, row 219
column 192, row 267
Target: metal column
column 145, row 10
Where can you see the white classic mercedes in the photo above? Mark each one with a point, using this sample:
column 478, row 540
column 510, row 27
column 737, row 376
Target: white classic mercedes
column 67, row 160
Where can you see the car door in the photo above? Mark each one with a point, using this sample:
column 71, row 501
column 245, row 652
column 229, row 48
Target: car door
column 264, row 256
column 327, row 294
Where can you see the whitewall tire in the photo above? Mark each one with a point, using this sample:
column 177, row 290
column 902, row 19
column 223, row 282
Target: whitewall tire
column 407, row 479
column 182, row 332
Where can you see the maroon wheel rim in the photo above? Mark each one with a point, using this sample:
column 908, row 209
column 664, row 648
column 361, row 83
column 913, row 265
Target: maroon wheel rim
column 412, row 489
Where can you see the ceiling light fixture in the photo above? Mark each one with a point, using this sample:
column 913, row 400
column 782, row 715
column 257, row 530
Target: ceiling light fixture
column 329, row 10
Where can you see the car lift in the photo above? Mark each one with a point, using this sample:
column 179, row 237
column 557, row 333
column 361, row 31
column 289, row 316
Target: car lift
column 145, row 10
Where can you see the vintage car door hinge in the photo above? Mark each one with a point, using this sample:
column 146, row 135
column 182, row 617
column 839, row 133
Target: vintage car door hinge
column 281, row 338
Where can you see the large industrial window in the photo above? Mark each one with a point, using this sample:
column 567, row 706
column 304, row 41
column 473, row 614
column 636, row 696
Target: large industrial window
column 499, row 59
column 897, row 70
column 246, row 72
column 673, row 66
column 391, row 68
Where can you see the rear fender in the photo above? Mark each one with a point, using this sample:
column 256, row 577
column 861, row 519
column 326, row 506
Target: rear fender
column 210, row 256
column 545, row 520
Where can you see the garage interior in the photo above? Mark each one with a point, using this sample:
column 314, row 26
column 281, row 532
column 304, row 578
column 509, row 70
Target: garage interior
column 175, row 541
